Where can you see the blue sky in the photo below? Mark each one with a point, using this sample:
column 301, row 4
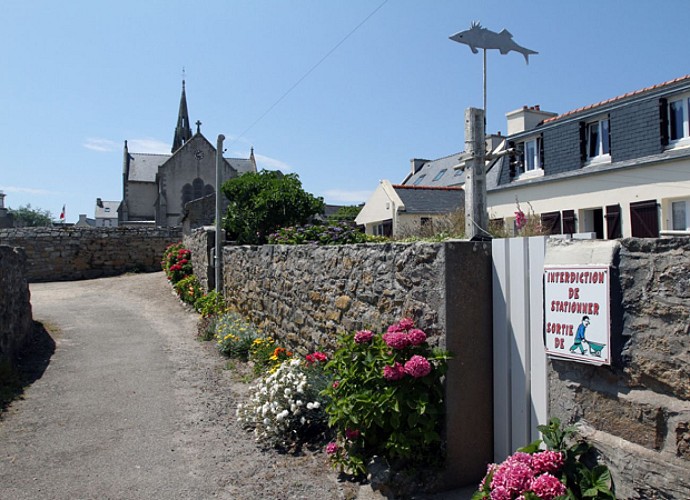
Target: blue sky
column 312, row 89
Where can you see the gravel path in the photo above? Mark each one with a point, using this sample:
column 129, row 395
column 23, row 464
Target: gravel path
column 132, row 406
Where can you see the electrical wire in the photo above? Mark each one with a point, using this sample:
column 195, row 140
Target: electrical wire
column 308, row 72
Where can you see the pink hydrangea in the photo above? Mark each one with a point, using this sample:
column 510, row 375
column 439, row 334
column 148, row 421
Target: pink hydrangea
column 547, row 487
column 416, row 336
column 547, row 461
column 395, row 372
column 513, row 475
column 406, row 323
column 395, row 328
column 500, row 493
column 363, row 336
column 332, row 448
column 396, row 340
column 418, row 366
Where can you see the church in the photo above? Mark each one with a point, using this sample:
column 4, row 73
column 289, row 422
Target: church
column 156, row 187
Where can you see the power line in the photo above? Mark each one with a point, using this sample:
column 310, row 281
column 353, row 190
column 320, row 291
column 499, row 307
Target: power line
column 309, row 72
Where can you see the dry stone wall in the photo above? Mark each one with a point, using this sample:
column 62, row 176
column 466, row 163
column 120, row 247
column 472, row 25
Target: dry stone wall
column 61, row 254
column 637, row 411
column 15, row 307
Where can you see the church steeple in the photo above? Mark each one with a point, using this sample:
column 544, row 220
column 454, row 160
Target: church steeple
column 183, row 131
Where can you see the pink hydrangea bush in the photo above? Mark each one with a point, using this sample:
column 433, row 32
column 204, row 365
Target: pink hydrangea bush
column 386, row 398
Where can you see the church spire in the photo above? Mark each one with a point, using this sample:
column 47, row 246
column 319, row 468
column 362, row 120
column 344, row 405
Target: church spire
column 183, row 131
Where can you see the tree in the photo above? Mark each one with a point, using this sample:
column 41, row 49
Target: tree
column 262, row 202
column 346, row 213
column 25, row 216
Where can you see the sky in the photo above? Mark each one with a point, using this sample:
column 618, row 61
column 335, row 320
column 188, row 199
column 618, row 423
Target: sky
column 342, row 93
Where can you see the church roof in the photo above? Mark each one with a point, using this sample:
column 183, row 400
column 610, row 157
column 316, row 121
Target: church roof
column 143, row 167
column 241, row 165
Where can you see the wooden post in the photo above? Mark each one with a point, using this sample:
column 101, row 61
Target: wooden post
column 476, row 217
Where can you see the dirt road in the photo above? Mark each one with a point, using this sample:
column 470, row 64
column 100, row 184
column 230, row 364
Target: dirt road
column 131, row 406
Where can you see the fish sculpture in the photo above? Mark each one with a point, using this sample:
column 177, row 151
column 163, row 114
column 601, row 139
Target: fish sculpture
column 482, row 38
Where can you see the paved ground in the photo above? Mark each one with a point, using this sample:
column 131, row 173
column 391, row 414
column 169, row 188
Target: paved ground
column 131, row 406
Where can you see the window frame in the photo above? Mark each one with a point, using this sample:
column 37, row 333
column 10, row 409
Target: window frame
column 603, row 138
column 537, row 167
column 684, row 138
column 439, row 175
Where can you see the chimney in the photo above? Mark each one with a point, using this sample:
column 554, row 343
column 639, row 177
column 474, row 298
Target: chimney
column 416, row 164
column 527, row 118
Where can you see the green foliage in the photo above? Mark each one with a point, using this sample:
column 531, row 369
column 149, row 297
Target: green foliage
column 386, row 398
column 177, row 262
column 25, row 216
column 189, row 289
column 341, row 233
column 210, row 304
column 261, row 202
column 234, row 336
column 347, row 213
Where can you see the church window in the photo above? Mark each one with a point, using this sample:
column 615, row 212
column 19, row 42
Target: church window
column 198, row 186
column 187, row 194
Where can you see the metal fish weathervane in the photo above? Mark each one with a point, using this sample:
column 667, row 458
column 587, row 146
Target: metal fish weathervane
column 482, row 38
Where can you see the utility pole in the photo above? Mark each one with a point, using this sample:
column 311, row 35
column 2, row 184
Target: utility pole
column 476, row 217
column 218, row 257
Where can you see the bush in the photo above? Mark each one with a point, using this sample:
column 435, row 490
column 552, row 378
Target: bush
column 189, row 289
column 234, row 336
column 341, row 233
column 386, row 398
column 287, row 406
column 558, row 472
column 177, row 262
column 210, row 304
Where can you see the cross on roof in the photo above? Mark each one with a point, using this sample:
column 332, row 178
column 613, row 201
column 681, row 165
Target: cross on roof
column 198, row 127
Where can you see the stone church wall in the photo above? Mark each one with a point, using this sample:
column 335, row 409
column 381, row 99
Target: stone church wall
column 15, row 307
column 71, row 253
column 636, row 412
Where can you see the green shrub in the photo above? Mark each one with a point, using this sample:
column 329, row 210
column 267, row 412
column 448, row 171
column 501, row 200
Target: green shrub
column 189, row 289
column 234, row 336
column 386, row 398
column 210, row 304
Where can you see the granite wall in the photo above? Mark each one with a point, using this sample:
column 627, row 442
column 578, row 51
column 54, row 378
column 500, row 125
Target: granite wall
column 15, row 308
column 307, row 295
column 636, row 412
column 71, row 253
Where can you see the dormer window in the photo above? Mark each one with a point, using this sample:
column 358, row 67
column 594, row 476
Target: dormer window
column 532, row 160
column 528, row 158
column 419, row 180
column 598, row 139
column 440, row 174
column 678, row 127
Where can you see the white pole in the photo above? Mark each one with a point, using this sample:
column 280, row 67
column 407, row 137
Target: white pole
column 218, row 261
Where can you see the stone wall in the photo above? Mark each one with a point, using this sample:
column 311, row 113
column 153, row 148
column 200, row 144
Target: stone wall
column 306, row 295
column 637, row 411
column 60, row 254
column 200, row 242
column 15, row 308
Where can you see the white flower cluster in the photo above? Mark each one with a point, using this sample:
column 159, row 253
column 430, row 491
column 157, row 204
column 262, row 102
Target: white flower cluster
column 282, row 404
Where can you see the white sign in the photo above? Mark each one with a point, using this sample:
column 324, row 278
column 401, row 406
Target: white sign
column 576, row 313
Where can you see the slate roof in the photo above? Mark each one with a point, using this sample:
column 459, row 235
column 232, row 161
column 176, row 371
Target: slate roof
column 432, row 168
column 108, row 210
column 143, row 167
column 430, row 200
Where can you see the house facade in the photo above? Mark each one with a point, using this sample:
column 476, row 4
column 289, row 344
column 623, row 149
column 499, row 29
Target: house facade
column 405, row 210
column 618, row 168
column 156, row 187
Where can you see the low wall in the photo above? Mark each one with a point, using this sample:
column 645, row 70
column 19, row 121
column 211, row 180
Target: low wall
column 637, row 411
column 15, row 307
column 61, row 254
column 308, row 295
column 201, row 242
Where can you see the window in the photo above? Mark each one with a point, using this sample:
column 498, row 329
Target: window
column 679, row 215
column 678, row 127
column 598, row 139
column 419, row 180
column 440, row 174
column 526, row 157
column 106, row 209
